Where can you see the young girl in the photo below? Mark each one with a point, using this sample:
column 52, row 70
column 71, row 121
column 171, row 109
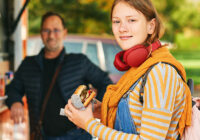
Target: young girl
column 151, row 100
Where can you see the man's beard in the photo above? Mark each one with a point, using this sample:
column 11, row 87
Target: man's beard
column 50, row 48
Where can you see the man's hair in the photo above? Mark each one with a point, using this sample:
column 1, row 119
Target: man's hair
column 49, row 14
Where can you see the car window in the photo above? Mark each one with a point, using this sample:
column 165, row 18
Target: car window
column 91, row 53
column 77, row 47
column 73, row 47
column 110, row 50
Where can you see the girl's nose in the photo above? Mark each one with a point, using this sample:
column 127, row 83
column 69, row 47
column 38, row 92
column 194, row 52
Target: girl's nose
column 123, row 27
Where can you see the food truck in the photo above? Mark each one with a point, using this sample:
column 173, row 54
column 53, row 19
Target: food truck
column 13, row 41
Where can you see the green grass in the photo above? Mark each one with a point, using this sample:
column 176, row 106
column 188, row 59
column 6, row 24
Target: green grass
column 191, row 61
column 188, row 43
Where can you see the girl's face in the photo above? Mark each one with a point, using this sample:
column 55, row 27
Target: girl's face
column 130, row 26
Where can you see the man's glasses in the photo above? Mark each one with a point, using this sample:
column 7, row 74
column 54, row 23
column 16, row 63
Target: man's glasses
column 48, row 31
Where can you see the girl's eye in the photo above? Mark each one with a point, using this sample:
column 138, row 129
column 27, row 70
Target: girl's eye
column 116, row 21
column 131, row 20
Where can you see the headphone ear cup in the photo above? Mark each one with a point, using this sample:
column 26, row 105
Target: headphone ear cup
column 136, row 57
column 118, row 62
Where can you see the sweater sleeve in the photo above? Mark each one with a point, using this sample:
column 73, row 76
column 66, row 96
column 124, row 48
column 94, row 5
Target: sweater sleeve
column 161, row 111
column 156, row 112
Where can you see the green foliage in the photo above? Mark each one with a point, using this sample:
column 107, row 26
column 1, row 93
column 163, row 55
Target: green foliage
column 191, row 62
column 193, row 74
column 187, row 17
column 178, row 15
column 80, row 18
column 186, row 55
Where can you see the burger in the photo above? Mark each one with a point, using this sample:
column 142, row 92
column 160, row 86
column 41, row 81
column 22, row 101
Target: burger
column 82, row 97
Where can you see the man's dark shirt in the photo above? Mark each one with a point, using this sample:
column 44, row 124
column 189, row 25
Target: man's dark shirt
column 52, row 119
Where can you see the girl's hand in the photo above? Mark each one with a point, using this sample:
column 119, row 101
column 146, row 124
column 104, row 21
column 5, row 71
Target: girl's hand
column 78, row 117
column 97, row 109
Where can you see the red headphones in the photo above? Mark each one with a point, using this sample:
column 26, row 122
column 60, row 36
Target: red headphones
column 134, row 56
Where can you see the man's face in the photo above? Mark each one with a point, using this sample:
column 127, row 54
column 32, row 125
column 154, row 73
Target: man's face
column 53, row 33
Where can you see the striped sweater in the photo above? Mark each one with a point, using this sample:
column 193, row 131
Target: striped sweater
column 158, row 117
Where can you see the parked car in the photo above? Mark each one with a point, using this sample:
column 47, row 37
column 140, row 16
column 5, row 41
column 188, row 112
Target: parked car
column 101, row 51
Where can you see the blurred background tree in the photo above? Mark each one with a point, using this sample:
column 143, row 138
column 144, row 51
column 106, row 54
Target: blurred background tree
column 180, row 17
column 81, row 16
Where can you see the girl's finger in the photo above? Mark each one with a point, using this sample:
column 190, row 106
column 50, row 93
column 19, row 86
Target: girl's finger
column 68, row 112
column 71, row 107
